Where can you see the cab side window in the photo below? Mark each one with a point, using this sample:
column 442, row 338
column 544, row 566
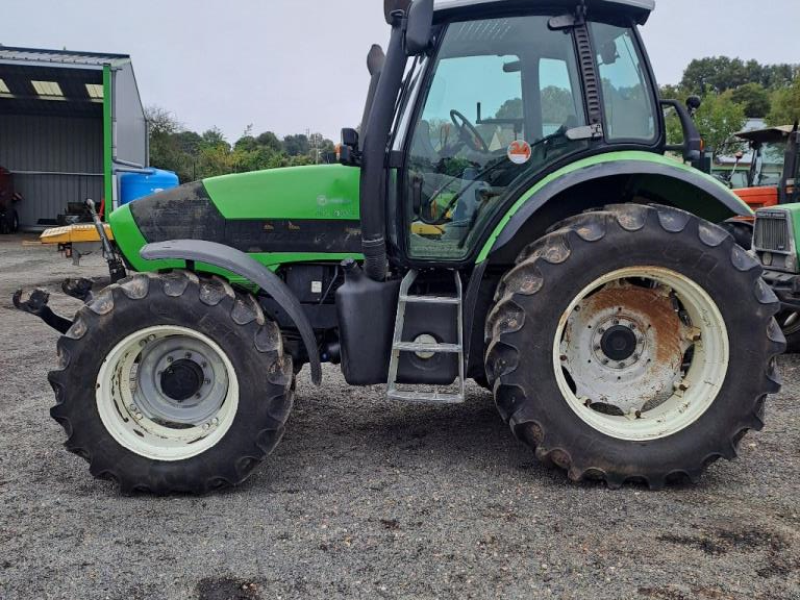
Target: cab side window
column 501, row 99
column 628, row 101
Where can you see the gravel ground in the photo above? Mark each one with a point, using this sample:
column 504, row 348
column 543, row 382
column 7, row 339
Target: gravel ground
column 370, row 499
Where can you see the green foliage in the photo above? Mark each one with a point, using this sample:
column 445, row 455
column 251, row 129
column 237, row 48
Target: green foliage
column 721, row 73
column 733, row 90
column 197, row 156
column 718, row 119
column 754, row 98
column 785, row 105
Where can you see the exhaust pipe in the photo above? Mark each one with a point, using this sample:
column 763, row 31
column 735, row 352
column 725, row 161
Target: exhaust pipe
column 373, row 200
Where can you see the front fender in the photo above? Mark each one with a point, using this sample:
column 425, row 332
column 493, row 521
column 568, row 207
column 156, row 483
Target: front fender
column 710, row 199
column 239, row 263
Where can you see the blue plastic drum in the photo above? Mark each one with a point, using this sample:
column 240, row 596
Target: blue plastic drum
column 140, row 185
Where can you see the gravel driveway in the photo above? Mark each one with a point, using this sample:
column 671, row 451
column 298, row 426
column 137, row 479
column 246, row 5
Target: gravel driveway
column 371, row 499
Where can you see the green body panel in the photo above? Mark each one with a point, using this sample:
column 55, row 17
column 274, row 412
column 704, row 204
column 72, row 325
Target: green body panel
column 793, row 212
column 328, row 192
column 130, row 241
column 597, row 160
column 108, row 140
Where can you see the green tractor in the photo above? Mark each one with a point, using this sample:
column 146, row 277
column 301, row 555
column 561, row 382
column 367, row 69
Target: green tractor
column 506, row 213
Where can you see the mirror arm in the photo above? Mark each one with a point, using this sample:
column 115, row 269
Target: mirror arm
column 692, row 147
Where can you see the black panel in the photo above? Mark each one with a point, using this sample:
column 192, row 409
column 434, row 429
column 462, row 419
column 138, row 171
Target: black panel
column 441, row 322
column 183, row 213
column 187, row 213
column 294, row 236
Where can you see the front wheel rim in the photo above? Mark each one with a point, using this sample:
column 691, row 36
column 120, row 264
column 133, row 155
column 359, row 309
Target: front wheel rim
column 641, row 353
column 156, row 414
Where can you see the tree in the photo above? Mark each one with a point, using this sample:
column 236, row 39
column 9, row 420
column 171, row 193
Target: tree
column 189, row 142
column 785, row 105
column 510, row 109
column 754, row 98
column 295, row 145
column 717, row 74
column 214, row 138
column 718, row 119
column 270, row 140
column 720, row 73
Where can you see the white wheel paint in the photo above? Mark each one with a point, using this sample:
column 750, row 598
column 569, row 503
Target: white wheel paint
column 694, row 393
column 116, row 384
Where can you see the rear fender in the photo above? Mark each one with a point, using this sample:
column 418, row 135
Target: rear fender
column 239, row 263
column 637, row 176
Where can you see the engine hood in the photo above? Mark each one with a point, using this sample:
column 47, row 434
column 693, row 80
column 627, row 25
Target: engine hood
column 295, row 211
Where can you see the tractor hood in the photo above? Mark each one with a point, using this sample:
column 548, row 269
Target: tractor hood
column 298, row 210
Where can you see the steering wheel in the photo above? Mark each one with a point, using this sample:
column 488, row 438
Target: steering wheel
column 474, row 141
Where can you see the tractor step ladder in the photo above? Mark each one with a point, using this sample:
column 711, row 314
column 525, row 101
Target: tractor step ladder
column 399, row 346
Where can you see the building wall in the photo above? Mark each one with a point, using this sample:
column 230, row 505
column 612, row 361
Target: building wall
column 55, row 160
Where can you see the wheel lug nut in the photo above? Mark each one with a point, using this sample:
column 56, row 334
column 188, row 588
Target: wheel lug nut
column 208, row 382
column 170, row 359
column 188, row 355
column 605, row 361
column 204, row 364
column 622, row 365
column 563, row 359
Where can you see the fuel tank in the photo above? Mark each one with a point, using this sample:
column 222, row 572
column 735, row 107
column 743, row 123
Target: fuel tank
column 299, row 213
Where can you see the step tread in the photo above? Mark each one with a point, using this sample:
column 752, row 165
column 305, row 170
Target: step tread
column 426, row 397
column 438, row 348
column 430, row 299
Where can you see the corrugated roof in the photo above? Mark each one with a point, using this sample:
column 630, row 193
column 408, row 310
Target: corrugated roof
column 56, row 58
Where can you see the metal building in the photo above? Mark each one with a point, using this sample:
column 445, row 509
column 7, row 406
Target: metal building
column 70, row 122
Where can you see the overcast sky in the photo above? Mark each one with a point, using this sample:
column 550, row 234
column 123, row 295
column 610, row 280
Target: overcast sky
column 292, row 65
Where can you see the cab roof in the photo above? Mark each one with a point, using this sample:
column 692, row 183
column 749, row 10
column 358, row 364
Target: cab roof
column 639, row 9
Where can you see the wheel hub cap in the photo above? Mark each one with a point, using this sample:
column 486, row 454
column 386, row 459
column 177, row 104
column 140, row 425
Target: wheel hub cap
column 182, row 380
column 624, row 346
column 619, row 343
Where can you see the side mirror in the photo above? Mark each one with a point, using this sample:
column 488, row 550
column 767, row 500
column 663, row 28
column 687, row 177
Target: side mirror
column 693, row 103
column 419, row 27
column 349, row 137
column 347, row 153
column 692, row 147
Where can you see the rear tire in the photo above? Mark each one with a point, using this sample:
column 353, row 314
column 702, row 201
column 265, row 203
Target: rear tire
column 669, row 400
column 171, row 383
column 790, row 325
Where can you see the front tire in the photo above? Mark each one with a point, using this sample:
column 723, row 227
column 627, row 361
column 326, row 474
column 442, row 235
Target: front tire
column 634, row 343
column 172, row 383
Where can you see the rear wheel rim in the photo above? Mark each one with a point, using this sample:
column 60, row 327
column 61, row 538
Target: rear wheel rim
column 641, row 353
column 167, row 393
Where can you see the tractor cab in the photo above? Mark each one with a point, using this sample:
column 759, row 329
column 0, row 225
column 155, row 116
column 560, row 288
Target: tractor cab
column 774, row 167
column 490, row 99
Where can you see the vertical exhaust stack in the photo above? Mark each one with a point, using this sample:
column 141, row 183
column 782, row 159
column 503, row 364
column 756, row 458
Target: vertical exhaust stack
column 412, row 26
column 373, row 207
